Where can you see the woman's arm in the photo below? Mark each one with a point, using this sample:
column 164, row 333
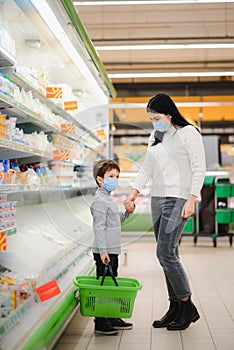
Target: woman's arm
column 196, row 153
column 143, row 176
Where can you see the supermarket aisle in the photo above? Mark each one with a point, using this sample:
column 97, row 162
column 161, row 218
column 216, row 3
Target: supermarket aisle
column 212, row 281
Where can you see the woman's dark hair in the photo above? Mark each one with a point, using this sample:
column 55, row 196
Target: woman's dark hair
column 162, row 103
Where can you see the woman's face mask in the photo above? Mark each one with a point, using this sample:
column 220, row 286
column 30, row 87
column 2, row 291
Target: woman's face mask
column 159, row 121
column 161, row 125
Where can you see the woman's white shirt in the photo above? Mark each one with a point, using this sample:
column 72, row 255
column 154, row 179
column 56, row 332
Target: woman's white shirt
column 176, row 166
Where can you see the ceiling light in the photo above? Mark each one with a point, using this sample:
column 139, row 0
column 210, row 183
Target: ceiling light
column 34, row 43
column 153, row 2
column 165, row 47
column 170, row 75
column 126, row 105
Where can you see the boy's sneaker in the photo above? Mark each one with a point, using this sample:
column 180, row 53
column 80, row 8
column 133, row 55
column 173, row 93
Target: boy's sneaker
column 103, row 326
column 118, row 323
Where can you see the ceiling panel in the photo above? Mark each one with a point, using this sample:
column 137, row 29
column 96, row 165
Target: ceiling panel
column 163, row 24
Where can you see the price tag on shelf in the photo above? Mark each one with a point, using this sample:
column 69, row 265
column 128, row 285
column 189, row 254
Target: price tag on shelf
column 54, row 92
column 3, row 236
column 48, row 290
column 70, row 105
column 68, row 128
column 61, row 154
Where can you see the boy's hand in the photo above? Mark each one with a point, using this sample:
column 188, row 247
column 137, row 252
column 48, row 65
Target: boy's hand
column 129, row 205
column 104, row 257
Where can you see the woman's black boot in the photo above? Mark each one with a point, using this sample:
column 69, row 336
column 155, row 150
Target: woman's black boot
column 170, row 316
column 188, row 313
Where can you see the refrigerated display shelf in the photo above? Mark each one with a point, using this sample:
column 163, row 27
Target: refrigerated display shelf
column 14, row 150
column 22, row 82
column 16, row 109
column 9, row 231
column 44, row 321
column 7, row 323
column 6, row 59
column 49, row 225
column 84, row 138
column 23, row 113
column 27, row 189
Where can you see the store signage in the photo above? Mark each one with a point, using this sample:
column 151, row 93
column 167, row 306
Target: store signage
column 101, row 134
column 48, row 290
column 54, row 92
column 61, row 154
column 3, row 241
column 70, row 105
column 68, row 128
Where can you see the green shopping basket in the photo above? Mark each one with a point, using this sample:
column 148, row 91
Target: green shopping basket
column 107, row 300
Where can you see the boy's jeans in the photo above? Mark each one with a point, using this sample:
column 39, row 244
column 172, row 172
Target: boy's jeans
column 114, row 262
column 168, row 227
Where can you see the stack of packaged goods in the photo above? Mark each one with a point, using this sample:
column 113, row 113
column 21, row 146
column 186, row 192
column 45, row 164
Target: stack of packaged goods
column 9, row 131
column 7, row 212
column 7, row 220
column 7, row 43
column 15, row 288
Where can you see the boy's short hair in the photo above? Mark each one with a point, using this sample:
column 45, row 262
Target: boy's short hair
column 102, row 166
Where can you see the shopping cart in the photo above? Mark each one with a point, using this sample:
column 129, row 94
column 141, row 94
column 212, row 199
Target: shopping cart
column 113, row 297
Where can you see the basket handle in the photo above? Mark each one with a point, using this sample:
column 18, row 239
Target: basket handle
column 108, row 267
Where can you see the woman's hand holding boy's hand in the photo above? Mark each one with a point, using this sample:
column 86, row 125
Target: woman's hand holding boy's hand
column 129, row 202
column 133, row 194
column 129, row 205
column 105, row 256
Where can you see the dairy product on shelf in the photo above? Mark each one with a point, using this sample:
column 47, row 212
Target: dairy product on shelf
column 6, row 42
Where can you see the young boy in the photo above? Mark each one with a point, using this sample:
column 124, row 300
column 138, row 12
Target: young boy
column 107, row 230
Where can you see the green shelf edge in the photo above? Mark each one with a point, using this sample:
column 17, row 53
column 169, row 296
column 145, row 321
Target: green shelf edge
column 143, row 222
column 45, row 332
column 42, row 336
column 73, row 15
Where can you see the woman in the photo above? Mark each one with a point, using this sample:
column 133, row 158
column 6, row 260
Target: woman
column 175, row 165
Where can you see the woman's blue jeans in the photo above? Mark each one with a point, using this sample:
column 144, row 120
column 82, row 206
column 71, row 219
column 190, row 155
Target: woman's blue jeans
column 168, row 227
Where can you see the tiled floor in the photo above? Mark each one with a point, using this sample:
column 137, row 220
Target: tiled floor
column 211, row 274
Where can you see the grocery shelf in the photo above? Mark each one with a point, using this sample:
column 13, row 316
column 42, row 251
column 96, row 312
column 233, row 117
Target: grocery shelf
column 24, row 114
column 33, row 195
column 6, row 59
column 13, row 150
column 9, row 231
column 54, row 224
column 22, row 82
column 9, row 322
column 44, row 187
column 43, row 316
column 58, row 243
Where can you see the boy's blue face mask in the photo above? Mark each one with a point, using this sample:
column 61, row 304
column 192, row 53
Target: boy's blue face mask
column 110, row 183
column 161, row 125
